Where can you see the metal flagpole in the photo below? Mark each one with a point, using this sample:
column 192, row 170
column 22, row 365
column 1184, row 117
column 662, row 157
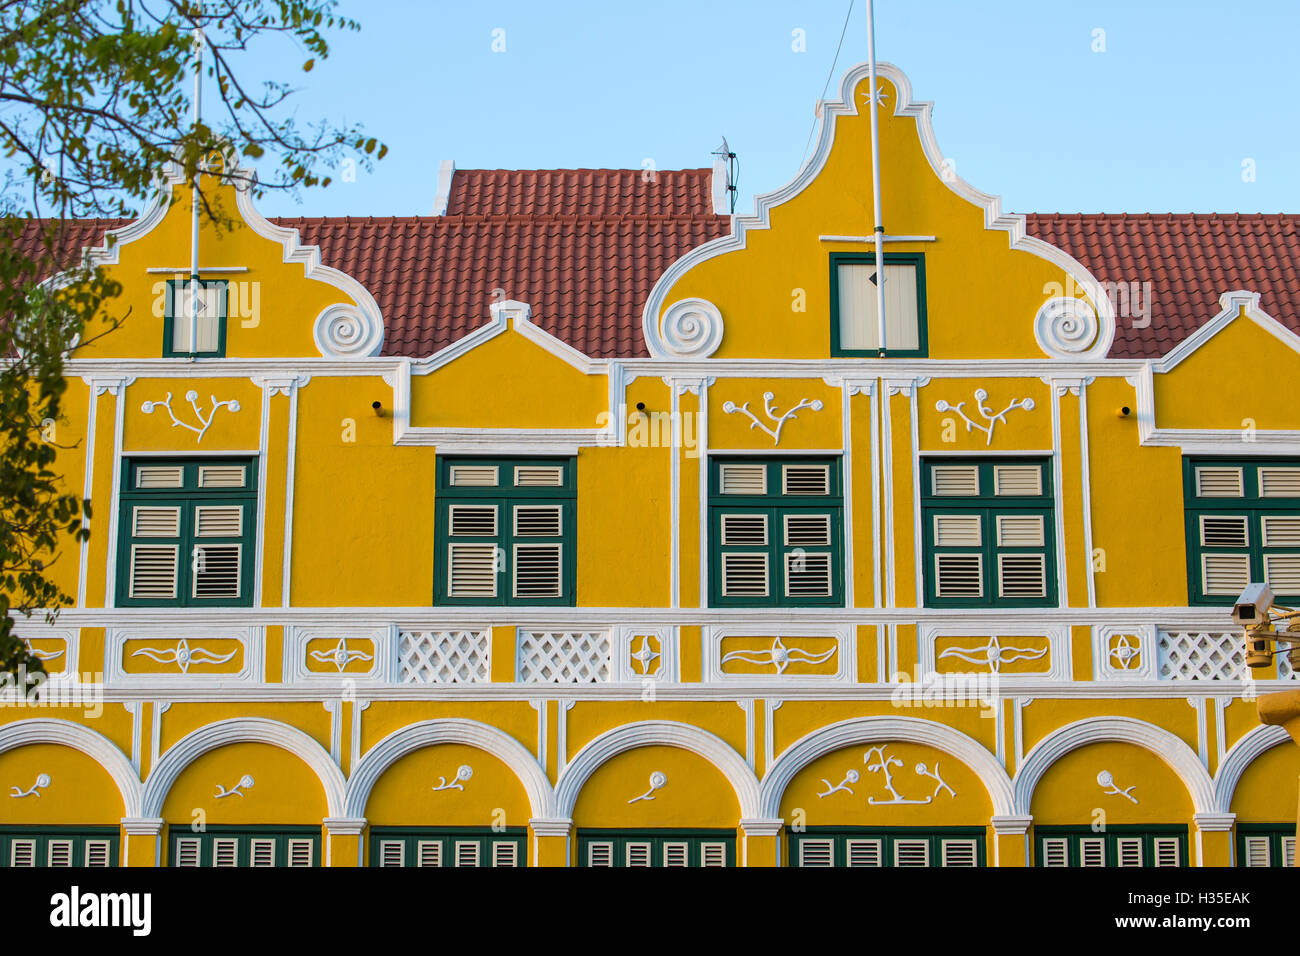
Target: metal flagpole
column 194, row 199
column 875, row 178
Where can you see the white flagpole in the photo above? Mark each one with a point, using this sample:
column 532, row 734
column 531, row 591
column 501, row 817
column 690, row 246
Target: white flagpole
column 875, row 178
column 194, row 199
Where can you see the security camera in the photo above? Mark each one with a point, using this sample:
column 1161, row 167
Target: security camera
column 1251, row 609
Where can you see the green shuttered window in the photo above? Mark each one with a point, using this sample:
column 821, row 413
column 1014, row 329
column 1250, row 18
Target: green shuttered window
column 891, row 846
column 186, row 532
column 209, row 330
column 245, row 846
column 505, row 531
column 1265, row 844
column 1119, row 846
column 657, row 848
column 59, row 846
column 855, row 328
column 1242, row 525
column 988, row 532
column 448, row 846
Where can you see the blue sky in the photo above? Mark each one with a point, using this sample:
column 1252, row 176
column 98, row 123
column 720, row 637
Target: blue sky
column 1162, row 120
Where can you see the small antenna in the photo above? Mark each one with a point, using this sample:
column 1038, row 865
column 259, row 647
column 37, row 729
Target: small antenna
column 733, row 172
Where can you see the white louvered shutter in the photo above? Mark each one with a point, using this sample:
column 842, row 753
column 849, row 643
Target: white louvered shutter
column 713, row 854
column 743, row 479
column 225, row 852
column 188, row 850
column 1288, row 851
column 222, row 476
column 1224, row 531
column 1017, row 481
column 744, row 530
column 262, row 852
column 676, row 854
column 22, row 853
column 600, row 854
column 637, row 854
column 1092, row 851
column 58, row 853
column 1225, row 573
column 1129, row 851
column 154, row 571
column 216, row 570
column 1276, row 482
column 159, row 476
column 959, row 575
column 539, row 570
column 429, row 853
column 97, row 853
column 505, row 853
column 865, row 852
column 539, row 476
column 1216, row 482
column 1056, row 852
column 1168, row 851
column 806, row 480
column 955, row 481
column 961, row 853
column 744, row 574
column 911, row 853
column 1022, row 575
column 467, row 853
column 302, row 853
column 471, row 570
column 816, row 852
column 392, row 853
column 1282, row 572
column 473, row 476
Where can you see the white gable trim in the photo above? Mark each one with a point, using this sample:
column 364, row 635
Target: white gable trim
column 1231, row 305
column 1011, row 223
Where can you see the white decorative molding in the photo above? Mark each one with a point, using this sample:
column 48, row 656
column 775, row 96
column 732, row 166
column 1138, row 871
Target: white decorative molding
column 778, row 655
column 242, row 730
column 244, row 783
column 204, row 423
column 658, row 780
column 343, row 330
column 883, row 729
column 1201, row 655
column 991, row 417
column 1252, row 744
column 646, row 653
column 993, row 654
column 66, row 733
column 68, row 654
column 563, row 656
column 1106, row 780
column 463, row 774
column 1068, row 328
column 450, row 656
column 883, row 762
column 42, row 781
column 691, row 329
column 345, row 650
column 182, row 645
column 1170, row 748
column 182, row 655
column 829, row 112
column 770, row 410
column 471, row 733
column 851, row 776
column 1124, row 653
column 652, row 733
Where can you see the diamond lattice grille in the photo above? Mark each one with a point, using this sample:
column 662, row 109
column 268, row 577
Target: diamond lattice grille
column 564, row 657
column 444, row 657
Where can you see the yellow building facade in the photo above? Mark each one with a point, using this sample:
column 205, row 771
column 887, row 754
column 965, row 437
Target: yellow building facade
column 768, row 591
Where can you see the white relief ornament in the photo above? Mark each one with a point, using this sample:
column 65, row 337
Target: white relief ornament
column 344, row 331
column 1067, row 327
column 341, row 655
column 204, row 422
column 237, row 790
column 994, row 654
column 778, row 656
column 1124, row 652
column 880, row 96
column 691, row 329
column 770, row 410
column 1106, row 780
column 646, row 656
column 990, row 417
column 658, row 780
column 182, row 655
column 42, row 781
column 851, row 777
column 463, row 773
column 41, row 655
column 883, row 761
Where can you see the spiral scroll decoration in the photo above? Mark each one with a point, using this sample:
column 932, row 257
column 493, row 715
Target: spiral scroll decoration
column 691, row 328
column 1067, row 327
column 344, row 331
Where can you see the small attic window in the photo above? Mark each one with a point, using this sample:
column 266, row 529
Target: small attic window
column 855, row 328
column 209, row 331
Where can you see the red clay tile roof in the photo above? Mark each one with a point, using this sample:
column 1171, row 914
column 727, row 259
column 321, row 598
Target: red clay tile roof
column 1190, row 260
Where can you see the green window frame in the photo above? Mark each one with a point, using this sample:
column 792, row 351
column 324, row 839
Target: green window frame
column 776, row 532
column 1135, row 845
column 887, row 847
column 1242, row 525
column 186, row 532
column 505, row 531
column 988, row 532
column 36, row 846
column 175, row 291
column 244, row 846
column 914, row 259
column 1265, row 844
column 656, row 848
column 448, row 846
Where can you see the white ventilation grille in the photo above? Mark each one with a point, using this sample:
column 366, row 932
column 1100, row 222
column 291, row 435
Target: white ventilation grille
column 1219, row 483
column 218, row 521
column 744, row 575
column 217, row 570
column 471, row 570
column 187, row 851
column 467, row 853
column 1224, row 531
column 1225, row 573
column 1201, row 655
column 97, row 853
column 955, row 480
column 600, row 854
column 428, row 853
column 676, row 854
column 505, row 853
column 538, row 571
column 1279, row 482
column 816, row 852
column 637, row 854
column 1017, row 480
column 538, row 521
column 221, row 476
column 58, row 853
column 743, row 479
column 1129, row 851
column 807, row 575
column 444, row 657
column 1020, row 531
column 159, row 476
column 807, row 531
column 473, row 521
column 225, row 852
column 1168, row 851
column 153, row 571
column 1258, row 852
column 22, row 853
column 1022, row 575
column 959, row 853
column 957, row 531
column 806, row 479
column 865, row 852
column 392, row 853
column 539, row 476
column 959, row 575
column 911, row 853
column 564, row 657
column 745, row 529
column 473, row 476
column 263, row 853
column 1055, row 852
column 1092, row 852
column 1281, row 531
column 151, row 522
column 713, row 854
column 302, row 853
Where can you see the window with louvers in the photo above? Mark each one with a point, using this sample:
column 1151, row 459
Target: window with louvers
column 988, row 532
column 447, row 846
column 776, row 532
column 186, row 532
column 887, row 846
column 1118, row 846
column 209, row 326
column 223, row 846
column 1266, row 844
column 1243, row 525
column 656, row 848
column 58, row 846
column 505, row 531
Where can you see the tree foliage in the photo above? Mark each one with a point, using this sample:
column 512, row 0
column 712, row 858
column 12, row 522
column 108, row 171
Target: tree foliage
column 96, row 98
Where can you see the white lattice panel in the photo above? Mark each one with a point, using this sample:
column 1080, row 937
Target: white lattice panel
column 564, row 657
column 444, row 657
column 1202, row 655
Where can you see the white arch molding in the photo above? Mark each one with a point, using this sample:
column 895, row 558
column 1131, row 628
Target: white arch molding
column 658, row 733
column 66, row 733
column 865, row 730
column 238, row 731
column 428, row 733
column 1242, row 755
column 1167, row 746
